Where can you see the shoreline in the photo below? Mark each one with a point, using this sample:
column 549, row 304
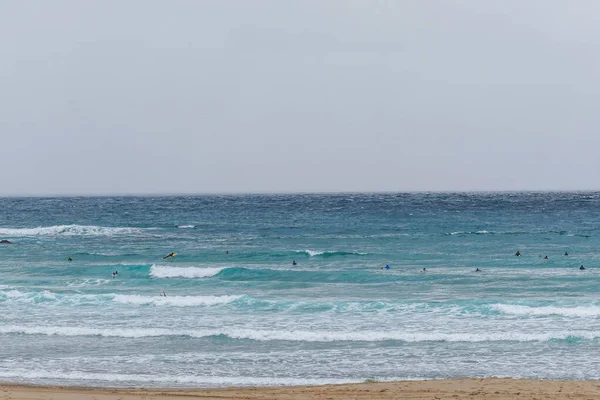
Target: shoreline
column 459, row 389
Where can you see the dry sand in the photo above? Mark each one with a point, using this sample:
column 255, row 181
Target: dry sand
column 455, row 389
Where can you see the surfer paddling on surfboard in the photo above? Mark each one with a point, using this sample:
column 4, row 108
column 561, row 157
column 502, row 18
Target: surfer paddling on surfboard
column 170, row 255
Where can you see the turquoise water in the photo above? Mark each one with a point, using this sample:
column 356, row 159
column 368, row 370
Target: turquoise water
column 237, row 312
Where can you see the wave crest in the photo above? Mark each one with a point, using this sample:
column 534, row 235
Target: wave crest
column 46, row 296
column 158, row 271
column 325, row 253
column 176, row 301
column 304, row 336
column 586, row 311
column 69, row 230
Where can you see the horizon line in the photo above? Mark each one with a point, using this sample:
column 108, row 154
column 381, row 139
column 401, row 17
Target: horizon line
column 303, row 193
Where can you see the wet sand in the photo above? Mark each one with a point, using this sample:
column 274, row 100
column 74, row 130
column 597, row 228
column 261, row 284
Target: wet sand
column 457, row 389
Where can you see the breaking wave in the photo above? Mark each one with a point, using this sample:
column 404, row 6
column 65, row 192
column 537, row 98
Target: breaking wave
column 303, row 336
column 48, row 297
column 158, row 271
column 163, row 379
column 586, row 311
column 70, row 230
column 176, row 301
column 314, row 253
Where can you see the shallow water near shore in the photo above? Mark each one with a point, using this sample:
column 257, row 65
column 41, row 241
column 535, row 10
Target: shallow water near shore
column 237, row 312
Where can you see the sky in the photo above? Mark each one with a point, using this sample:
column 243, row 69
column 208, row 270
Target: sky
column 201, row 96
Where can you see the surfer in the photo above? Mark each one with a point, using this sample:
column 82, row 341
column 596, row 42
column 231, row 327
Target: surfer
column 294, row 262
column 477, row 270
column 114, row 274
column 424, row 270
column 5, row 241
column 227, row 252
column 386, row 267
column 581, row 268
column 518, row 253
column 162, row 293
column 545, row 258
column 170, row 255
column 69, row 259
column 566, row 254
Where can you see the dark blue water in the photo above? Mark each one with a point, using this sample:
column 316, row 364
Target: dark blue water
column 237, row 311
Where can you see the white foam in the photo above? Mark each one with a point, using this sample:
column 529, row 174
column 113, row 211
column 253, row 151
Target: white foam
column 47, row 296
column 470, row 233
column 88, row 282
column 586, row 311
column 311, row 253
column 158, row 271
column 197, row 380
column 84, row 331
column 303, row 336
column 314, row 253
column 186, row 226
column 69, row 230
column 14, row 293
column 175, row 301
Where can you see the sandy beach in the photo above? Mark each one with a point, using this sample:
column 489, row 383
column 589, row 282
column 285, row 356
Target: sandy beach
column 489, row 389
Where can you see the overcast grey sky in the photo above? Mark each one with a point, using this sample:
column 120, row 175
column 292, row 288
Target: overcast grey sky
column 172, row 96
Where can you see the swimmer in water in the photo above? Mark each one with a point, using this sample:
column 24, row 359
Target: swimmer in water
column 566, row 254
column 581, row 268
column 518, row 253
column 477, row 270
column 294, row 262
column 424, row 270
column 545, row 258
column 69, row 259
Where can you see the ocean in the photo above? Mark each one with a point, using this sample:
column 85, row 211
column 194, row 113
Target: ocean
column 238, row 312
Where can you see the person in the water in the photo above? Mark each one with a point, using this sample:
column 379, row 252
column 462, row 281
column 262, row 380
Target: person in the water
column 424, row 270
column 162, row 293
column 545, row 258
column 477, row 270
column 294, row 262
column 566, row 254
column 69, row 259
column 169, row 255
column 518, row 253
column 581, row 268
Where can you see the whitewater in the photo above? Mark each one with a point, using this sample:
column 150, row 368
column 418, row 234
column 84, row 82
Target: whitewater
column 232, row 308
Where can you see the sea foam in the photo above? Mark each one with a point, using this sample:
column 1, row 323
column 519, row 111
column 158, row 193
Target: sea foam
column 585, row 311
column 314, row 253
column 69, row 230
column 159, row 271
column 303, row 336
column 175, row 301
column 165, row 379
